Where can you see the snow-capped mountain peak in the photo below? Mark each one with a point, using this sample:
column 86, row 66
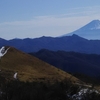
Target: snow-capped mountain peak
column 95, row 24
column 88, row 31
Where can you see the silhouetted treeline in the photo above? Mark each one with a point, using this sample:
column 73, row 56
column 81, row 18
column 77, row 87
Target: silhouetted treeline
column 16, row 90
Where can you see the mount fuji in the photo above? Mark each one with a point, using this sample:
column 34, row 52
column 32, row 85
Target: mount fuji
column 89, row 31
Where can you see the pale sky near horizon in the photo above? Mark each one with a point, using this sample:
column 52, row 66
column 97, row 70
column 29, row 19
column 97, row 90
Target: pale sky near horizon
column 36, row 18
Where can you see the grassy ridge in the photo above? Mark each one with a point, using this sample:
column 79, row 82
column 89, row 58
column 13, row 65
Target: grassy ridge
column 30, row 68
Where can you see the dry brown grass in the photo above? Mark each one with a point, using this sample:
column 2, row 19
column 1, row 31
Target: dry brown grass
column 30, row 68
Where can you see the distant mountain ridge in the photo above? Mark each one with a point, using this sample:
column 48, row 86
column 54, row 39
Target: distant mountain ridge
column 66, row 43
column 89, row 31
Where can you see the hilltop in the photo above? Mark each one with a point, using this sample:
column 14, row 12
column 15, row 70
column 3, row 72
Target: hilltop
column 29, row 68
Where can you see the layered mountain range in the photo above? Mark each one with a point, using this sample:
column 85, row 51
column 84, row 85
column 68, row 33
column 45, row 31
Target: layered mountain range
column 61, row 59
column 79, row 64
column 77, row 41
column 66, row 43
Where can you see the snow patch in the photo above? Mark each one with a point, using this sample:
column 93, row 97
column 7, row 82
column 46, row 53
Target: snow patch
column 3, row 51
column 83, row 92
column 96, row 26
column 15, row 75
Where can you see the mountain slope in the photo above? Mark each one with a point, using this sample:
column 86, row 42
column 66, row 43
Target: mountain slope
column 89, row 31
column 29, row 68
column 75, row 63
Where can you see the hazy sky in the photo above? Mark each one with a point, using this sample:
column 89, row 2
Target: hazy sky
column 36, row 18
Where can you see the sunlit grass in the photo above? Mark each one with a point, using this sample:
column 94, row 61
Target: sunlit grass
column 30, row 68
